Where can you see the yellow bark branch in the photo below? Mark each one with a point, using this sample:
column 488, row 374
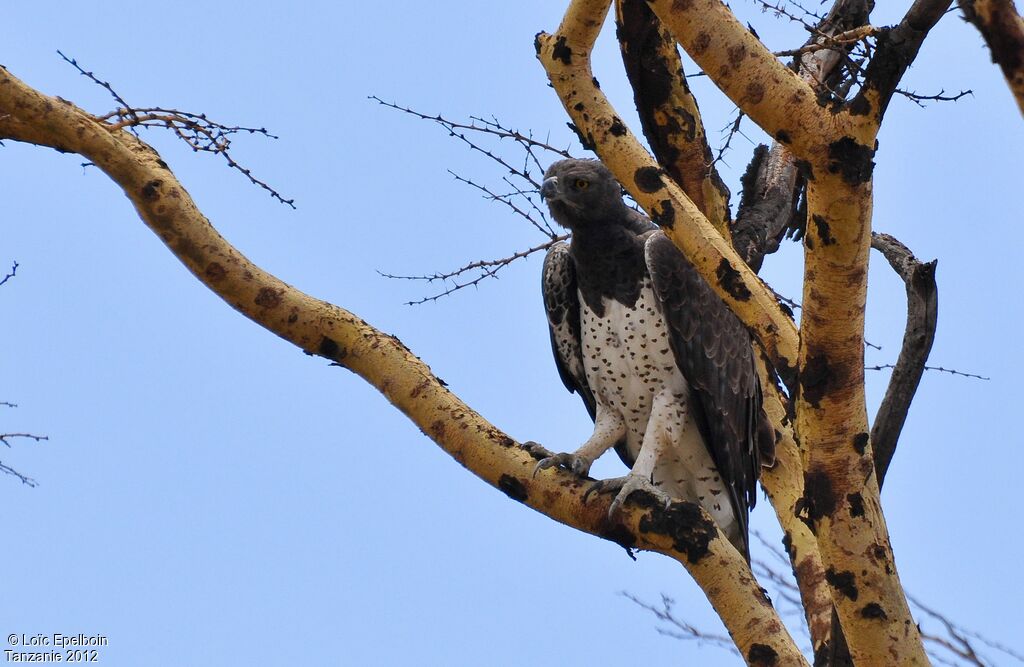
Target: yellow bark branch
column 783, row 483
column 774, row 96
column 566, row 57
column 684, row 531
column 841, row 497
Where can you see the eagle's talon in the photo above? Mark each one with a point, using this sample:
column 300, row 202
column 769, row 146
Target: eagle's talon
column 572, row 462
column 536, row 450
column 626, row 486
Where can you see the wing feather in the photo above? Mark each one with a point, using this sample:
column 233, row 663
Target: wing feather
column 713, row 350
column 562, row 303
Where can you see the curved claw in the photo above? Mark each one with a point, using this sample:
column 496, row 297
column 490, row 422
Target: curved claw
column 626, row 486
column 571, row 462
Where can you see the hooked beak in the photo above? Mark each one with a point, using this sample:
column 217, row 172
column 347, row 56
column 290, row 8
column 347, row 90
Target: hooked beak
column 549, row 188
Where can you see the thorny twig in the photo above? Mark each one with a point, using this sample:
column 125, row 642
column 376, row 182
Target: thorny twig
column 732, row 130
column 486, row 269
column 681, row 629
column 487, row 127
column 5, row 439
column 523, row 183
column 196, row 130
column 920, row 99
column 542, row 226
column 106, row 84
column 882, row 367
column 10, row 274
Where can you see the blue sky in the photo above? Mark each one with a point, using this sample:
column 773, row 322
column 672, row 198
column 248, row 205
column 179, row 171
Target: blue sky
column 210, row 495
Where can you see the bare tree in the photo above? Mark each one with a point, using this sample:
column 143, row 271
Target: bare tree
column 824, row 112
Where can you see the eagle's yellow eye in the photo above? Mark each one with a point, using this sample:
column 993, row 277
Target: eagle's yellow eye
column 582, row 184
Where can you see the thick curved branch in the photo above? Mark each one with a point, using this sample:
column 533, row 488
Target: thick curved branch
column 668, row 111
column 784, row 484
column 922, row 318
column 566, row 57
column 683, row 531
column 1002, row 28
column 773, row 95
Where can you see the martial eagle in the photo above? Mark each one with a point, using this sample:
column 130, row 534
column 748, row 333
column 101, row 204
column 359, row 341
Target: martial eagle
column 665, row 369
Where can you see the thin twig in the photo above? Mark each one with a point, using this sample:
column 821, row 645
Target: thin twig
column 14, row 473
column 487, row 269
column 543, row 227
column 882, row 367
column 10, row 274
column 91, row 76
column 5, row 437
column 196, row 130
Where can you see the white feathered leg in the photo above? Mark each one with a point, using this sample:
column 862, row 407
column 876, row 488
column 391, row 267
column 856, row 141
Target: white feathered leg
column 609, row 428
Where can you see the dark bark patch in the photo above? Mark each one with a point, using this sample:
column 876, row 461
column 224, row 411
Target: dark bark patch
column 856, row 504
column 701, row 43
column 562, row 51
column 731, row 281
column 586, row 140
column 852, row 161
column 874, row 610
column 617, row 128
column 597, row 84
column 823, row 229
column 151, row 190
column 268, row 297
column 579, row 106
column 859, row 106
column 815, row 378
column 691, row 124
column 619, row 534
column 736, row 54
column 787, row 544
column 648, row 179
column 754, row 92
column 845, row 582
column 682, row 522
column 860, row 442
column 215, row 272
column 665, row 214
column 819, row 498
column 805, row 169
column 513, row 488
column 330, row 349
column 681, row 5
column 762, row 654
column 783, row 137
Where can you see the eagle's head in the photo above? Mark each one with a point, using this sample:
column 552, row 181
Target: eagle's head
column 582, row 193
